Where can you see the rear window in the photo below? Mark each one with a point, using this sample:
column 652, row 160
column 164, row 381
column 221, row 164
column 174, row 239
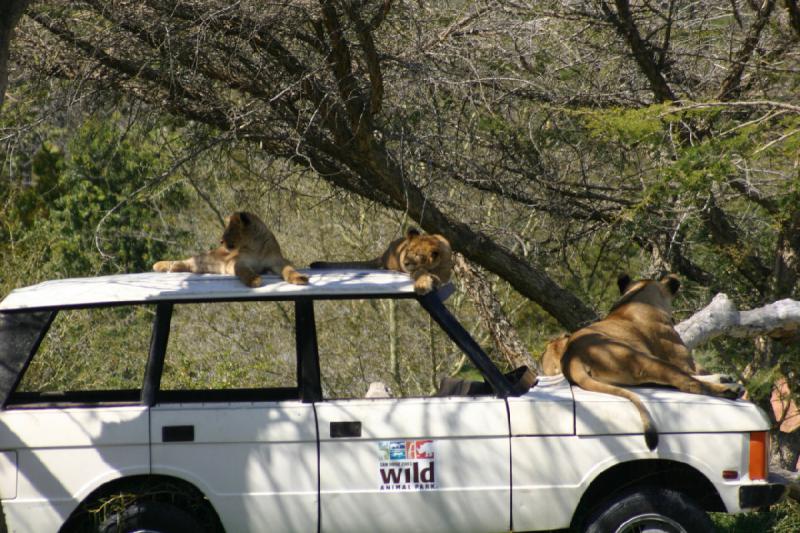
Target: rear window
column 97, row 350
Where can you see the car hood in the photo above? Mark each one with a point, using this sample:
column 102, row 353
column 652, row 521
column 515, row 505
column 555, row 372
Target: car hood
column 549, row 408
column 673, row 412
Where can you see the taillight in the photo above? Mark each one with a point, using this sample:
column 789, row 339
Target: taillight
column 759, row 454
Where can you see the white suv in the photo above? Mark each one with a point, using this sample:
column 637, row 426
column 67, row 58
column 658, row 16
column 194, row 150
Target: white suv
column 276, row 452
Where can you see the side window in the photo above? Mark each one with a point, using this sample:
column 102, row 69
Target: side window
column 98, row 349
column 231, row 345
column 393, row 342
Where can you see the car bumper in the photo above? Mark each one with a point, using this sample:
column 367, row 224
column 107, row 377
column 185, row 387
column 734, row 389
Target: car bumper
column 762, row 496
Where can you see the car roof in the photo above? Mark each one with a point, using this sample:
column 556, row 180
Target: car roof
column 153, row 287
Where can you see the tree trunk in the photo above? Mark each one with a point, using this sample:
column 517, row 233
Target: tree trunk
column 10, row 13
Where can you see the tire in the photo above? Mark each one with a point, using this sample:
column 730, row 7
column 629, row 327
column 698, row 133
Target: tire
column 651, row 510
column 151, row 517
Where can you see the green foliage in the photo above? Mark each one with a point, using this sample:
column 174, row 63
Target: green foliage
column 698, row 168
column 760, row 385
column 781, row 518
column 47, row 165
column 90, row 207
column 626, row 125
column 104, row 174
column 790, row 199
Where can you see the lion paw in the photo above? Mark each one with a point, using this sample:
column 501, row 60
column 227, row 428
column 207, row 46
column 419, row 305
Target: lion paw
column 298, row 279
column 424, row 284
column 733, row 390
column 254, row 282
column 714, row 378
column 171, row 266
column 162, row 266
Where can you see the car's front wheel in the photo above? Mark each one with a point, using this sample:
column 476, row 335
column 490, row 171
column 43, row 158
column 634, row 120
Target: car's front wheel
column 151, row 517
column 650, row 509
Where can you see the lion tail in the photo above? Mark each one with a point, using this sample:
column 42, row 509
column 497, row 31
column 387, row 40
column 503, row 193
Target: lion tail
column 327, row 265
column 576, row 373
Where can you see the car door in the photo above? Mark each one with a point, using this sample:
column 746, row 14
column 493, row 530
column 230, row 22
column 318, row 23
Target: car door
column 228, row 416
column 414, row 464
column 255, row 461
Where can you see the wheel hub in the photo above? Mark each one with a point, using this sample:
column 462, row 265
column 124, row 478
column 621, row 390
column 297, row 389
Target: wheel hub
column 650, row 523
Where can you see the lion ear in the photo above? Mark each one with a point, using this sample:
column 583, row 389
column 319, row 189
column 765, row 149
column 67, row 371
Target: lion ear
column 412, row 232
column 672, row 283
column 623, row 281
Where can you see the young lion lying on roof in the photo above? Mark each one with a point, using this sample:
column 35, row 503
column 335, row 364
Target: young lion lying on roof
column 428, row 259
column 635, row 344
column 248, row 248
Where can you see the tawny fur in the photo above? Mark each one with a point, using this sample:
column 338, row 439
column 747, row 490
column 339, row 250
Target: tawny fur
column 428, row 259
column 247, row 249
column 551, row 358
column 635, row 344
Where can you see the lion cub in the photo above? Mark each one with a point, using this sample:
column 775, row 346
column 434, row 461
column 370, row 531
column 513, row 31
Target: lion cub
column 248, row 248
column 428, row 259
column 635, row 344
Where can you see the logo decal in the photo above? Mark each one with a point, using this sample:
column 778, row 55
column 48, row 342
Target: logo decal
column 407, row 465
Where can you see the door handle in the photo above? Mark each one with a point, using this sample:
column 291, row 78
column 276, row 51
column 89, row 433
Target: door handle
column 177, row 433
column 345, row 429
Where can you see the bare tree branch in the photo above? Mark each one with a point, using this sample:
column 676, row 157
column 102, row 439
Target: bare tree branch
column 720, row 317
column 726, row 236
column 364, row 33
column 340, row 60
column 492, row 315
column 642, row 51
column 730, row 85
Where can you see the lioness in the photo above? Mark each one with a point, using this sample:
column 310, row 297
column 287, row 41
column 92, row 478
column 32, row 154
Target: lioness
column 427, row 258
column 635, row 344
column 248, row 248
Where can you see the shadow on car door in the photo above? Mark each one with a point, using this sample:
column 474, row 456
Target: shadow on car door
column 414, row 464
column 255, row 461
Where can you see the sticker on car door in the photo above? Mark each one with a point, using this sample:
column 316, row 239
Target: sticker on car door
column 407, row 465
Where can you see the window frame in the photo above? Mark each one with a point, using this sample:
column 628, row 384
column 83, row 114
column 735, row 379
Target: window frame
column 309, row 387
